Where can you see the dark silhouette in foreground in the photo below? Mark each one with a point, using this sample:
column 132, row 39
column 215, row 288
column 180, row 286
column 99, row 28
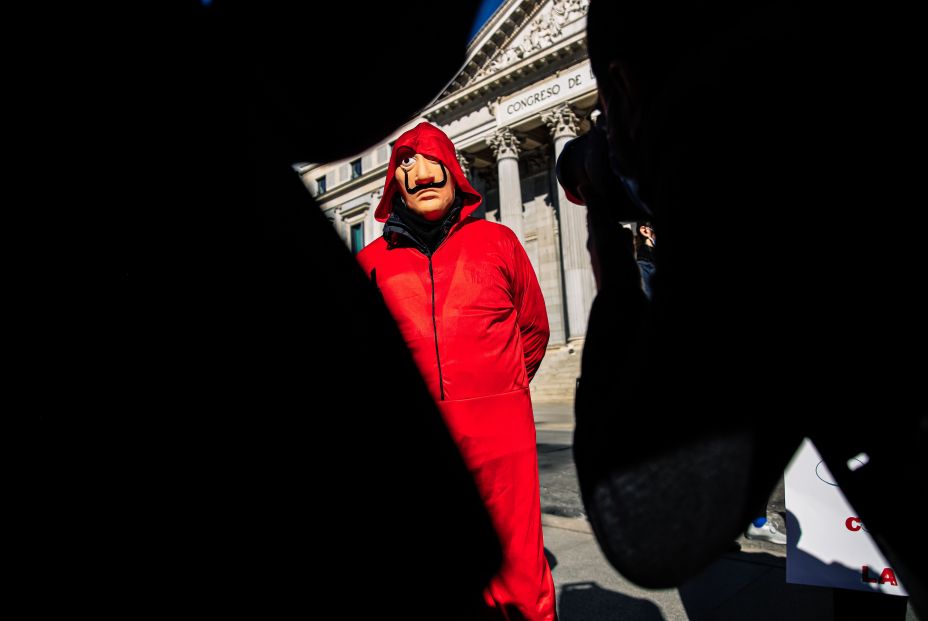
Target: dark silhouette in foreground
column 722, row 114
column 223, row 452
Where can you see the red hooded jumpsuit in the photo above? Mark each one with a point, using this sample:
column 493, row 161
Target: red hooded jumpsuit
column 473, row 315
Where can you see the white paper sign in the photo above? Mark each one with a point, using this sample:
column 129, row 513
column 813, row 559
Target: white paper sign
column 828, row 545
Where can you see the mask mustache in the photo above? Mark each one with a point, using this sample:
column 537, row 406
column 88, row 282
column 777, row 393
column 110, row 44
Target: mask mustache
column 426, row 186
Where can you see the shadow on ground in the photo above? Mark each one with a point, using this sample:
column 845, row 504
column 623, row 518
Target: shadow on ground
column 752, row 585
column 558, row 476
column 584, row 601
column 552, row 560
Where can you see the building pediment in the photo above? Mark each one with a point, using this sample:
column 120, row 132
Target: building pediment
column 517, row 31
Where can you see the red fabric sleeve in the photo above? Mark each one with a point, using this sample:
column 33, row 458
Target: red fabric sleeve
column 529, row 303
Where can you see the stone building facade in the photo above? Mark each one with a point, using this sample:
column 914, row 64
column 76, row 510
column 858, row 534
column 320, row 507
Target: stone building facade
column 525, row 90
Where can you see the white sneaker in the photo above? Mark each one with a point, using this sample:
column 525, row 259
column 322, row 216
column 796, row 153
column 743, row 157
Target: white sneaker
column 767, row 532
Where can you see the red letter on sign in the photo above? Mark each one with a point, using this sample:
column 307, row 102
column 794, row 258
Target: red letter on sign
column 888, row 576
column 865, row 575
column 852, row 523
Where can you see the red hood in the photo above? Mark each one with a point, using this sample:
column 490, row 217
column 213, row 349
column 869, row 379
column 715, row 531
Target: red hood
column 429, row 140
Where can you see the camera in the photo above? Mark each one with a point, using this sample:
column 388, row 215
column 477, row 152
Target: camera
column 584, row 171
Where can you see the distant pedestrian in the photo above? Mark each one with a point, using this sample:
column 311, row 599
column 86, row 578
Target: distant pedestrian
column 645, row 255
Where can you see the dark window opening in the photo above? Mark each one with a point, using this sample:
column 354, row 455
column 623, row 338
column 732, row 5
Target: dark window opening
column 357, row 237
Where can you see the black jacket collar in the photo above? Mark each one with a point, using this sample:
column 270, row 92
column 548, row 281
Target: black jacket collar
column 406, row 228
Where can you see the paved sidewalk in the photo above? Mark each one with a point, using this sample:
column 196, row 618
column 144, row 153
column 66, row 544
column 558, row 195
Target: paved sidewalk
column 747, row 585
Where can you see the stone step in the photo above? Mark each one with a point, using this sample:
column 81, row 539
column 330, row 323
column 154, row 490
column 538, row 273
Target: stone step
column 556, row 379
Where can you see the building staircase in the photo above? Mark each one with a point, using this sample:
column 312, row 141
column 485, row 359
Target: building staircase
column 556, row 379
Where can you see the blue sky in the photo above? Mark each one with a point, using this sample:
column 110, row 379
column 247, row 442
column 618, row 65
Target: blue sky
column 486, row 9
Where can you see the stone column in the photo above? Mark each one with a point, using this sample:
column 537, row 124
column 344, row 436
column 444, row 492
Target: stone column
column 376, row 227
column 578, row 271
column 339, row 223
column 465, row 165
column 505, row 147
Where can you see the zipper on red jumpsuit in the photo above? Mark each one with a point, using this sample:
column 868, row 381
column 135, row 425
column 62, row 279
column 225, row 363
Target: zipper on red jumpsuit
column 441, row 386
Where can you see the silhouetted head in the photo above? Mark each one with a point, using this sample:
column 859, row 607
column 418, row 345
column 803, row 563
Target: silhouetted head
column 641, row 53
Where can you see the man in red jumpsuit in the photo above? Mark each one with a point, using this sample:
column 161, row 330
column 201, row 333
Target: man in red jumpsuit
column 469, row 306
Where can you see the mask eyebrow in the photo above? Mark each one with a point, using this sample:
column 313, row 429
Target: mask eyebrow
column 404, row 152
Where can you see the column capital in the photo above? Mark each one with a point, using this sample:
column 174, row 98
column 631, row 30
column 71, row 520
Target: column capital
column 463, row 161
column 561, row 121
column 504, row 144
